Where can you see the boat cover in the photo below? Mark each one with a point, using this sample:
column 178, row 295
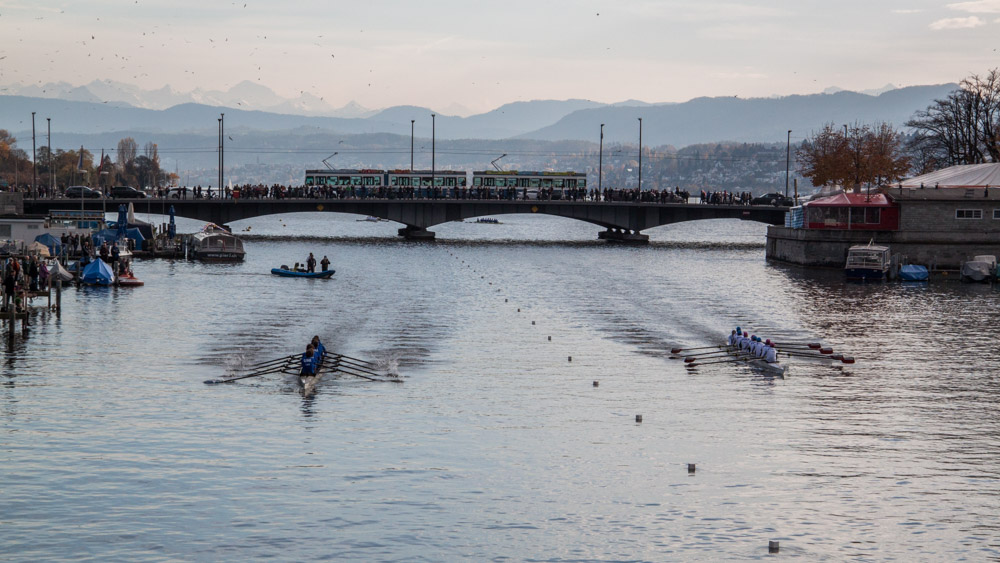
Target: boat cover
column 58, row 272
column 51, row 241
column 38, row 248
column 913, row 272
column 976, row 270
column 97, row 273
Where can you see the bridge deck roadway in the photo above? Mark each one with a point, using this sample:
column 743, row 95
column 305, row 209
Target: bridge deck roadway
column 617, row 217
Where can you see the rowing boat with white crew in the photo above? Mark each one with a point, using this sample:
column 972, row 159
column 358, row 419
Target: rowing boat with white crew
column 761, row 354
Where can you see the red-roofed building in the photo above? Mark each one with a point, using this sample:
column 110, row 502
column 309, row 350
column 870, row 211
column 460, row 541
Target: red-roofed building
column 852, row 211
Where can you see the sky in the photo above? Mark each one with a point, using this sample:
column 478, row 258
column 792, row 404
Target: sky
column 479, row 55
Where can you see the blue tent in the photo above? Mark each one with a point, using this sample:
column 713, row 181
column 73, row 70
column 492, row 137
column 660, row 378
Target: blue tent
column 106, row 235
column 135, row 234
column 53, row 243
column 97, row 273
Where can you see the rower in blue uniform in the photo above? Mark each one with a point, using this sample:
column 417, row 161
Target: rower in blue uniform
column 308, row 362
column 320, row 349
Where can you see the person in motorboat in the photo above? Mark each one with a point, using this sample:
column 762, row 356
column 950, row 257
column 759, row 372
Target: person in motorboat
column 311, row 263
column 325, row 263
column 308, row 361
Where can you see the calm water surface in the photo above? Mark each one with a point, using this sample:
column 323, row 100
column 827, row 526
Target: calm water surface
column 496, row 446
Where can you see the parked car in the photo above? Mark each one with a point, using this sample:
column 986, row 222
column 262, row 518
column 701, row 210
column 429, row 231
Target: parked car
column 127, row 192
column 81, row 191
column 775, row 199
column 180, row 193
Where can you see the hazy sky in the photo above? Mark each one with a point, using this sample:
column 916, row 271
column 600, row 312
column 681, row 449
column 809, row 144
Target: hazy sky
column 437, row 53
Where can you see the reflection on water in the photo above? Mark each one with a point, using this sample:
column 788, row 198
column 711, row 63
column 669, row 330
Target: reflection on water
column 496, row 444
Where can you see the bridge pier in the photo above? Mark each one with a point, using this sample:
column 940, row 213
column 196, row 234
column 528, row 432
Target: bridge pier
column 410, row 232
column 623, row 236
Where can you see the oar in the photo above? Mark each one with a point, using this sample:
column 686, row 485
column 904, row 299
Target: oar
column 691, row 365
column 360, row 361
column 690, row 359
column 841, row 357
column 679, row 350
column 354, row 363
column 271, row 362
column 351, row 371
column 811, row 345
column 231, row 379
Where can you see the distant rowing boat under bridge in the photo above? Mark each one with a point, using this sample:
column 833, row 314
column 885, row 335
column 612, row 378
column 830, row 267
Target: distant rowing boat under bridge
column 623, row 221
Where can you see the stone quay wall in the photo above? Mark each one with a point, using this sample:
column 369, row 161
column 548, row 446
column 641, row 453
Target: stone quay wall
column 939, row 250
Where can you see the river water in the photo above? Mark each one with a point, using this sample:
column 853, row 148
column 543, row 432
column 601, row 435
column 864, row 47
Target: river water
column 497, row 444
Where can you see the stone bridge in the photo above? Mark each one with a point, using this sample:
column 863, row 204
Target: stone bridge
column 622, row 220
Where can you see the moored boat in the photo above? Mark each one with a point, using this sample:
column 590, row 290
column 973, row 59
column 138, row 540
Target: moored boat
column 867, row 262
column 980, row 268
column 97, row 273
column 129, row 280
column 285, row 272
column 215, row 244
column 913, row 272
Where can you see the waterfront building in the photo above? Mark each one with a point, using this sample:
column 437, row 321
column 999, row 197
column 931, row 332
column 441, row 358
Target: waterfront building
column 939, row 219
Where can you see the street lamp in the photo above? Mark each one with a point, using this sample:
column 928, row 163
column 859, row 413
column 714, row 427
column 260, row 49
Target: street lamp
column 600, row 163
column 411, row 144
column 788, row 155
column 52, row 177
column 34, row 171
column 640, row 156
column 433, row 150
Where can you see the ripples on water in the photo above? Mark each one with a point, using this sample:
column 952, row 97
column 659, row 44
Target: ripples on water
column 497, row 446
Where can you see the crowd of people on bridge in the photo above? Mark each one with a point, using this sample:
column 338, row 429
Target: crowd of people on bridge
column 279, row 192
column 726, row 198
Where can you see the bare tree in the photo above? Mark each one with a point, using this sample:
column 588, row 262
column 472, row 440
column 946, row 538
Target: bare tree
column 963, row 128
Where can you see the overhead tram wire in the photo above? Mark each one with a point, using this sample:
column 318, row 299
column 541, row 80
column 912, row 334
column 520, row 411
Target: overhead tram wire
column 470, row 152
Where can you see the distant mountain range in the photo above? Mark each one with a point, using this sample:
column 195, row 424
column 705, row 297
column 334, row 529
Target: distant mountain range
column 701, row 120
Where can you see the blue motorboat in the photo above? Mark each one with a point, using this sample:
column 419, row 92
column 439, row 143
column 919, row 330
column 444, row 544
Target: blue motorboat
column 285, row 272
column 97, row 273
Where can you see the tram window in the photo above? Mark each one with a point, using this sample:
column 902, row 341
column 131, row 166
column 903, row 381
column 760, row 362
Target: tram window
column 581, row 183
column 534, row 182
column 310, row 180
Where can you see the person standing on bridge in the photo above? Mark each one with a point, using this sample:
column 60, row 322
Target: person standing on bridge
column 311, row 263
